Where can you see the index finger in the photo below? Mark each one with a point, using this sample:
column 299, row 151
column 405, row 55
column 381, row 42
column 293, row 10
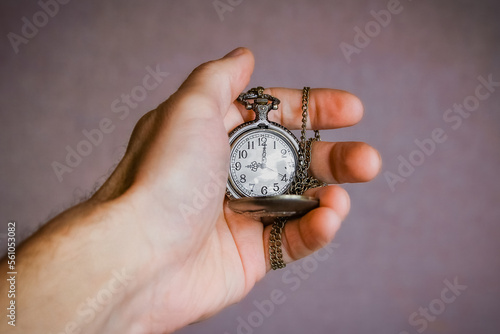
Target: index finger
column 328, row 109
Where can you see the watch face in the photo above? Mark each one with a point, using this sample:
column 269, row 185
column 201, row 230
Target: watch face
column 263, row 163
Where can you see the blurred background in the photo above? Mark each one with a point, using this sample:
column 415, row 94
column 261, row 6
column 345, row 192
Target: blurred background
column 420, row 250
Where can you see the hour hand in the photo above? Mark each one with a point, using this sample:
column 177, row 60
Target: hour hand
column 253, row 166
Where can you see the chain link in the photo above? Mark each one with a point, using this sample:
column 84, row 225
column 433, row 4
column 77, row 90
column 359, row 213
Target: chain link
column 302, row 182
column 275, row 251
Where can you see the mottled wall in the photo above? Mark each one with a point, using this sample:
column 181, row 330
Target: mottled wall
column 411, row 232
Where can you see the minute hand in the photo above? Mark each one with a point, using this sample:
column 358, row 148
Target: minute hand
column 264, row 158
column 273, row 170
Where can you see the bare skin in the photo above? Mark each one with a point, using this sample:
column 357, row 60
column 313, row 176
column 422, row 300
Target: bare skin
column 179, row 268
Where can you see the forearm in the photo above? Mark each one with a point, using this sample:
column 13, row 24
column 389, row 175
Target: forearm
column 71, row 273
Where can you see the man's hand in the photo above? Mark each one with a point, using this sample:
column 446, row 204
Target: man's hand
column 162, row 216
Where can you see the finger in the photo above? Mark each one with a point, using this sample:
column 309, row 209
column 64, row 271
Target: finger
column 192, row 118
column 204, row 97
column 344, row 162
column 328, row 109
column 214, row 85
column 302, row 237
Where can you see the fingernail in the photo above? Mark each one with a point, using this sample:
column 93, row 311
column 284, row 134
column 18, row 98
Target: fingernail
column 235, row 53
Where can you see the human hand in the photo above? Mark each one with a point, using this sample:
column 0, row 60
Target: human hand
column 165, row 213
column 181, row 150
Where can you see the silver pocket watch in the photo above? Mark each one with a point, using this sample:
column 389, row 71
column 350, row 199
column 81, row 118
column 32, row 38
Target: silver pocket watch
column 268, row 164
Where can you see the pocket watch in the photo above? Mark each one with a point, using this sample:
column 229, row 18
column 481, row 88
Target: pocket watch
column 267, row 162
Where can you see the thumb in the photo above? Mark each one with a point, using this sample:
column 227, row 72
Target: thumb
column 216, row 83
column 186, row 129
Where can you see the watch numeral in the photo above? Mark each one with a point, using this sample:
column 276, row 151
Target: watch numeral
column 263, row 190
column 251, row 185
column 243, row 178
column 243, row 154
column 251, row 144
column 283, row 152
column 262, row 141
column 284, row 179
column 274, row 144
column 237, row 165
column 276, row 188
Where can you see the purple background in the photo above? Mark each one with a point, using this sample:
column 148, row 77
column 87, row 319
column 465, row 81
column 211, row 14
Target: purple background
column 395, row 248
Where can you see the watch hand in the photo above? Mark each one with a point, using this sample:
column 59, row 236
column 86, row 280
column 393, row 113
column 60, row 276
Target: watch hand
column 264, row 158
column 254, row 165
column 275, row 171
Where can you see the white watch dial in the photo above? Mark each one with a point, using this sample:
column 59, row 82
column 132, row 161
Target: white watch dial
column 262, row 163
